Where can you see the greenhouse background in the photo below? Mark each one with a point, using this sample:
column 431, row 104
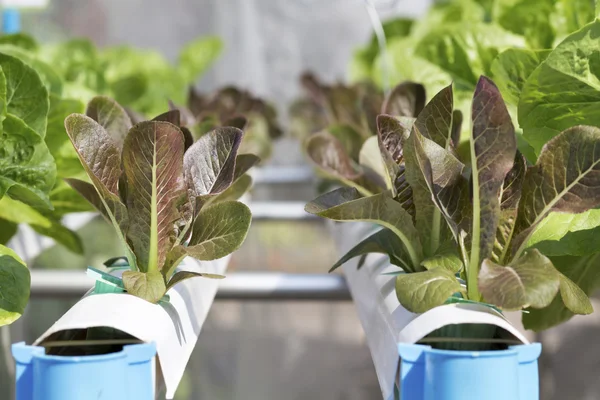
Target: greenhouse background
column 261, row 349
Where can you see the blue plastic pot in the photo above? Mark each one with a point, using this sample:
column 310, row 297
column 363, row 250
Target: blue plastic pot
column 124, row 375
column 430, row 374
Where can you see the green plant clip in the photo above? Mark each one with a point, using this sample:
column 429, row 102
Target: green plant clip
column 107, row 283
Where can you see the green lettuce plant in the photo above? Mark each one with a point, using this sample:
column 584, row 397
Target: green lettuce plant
column 44, row 91
column 471, row 231
column 159, row 191
column 27, row 174
column 461, row 38
column 551, row 90
column 343, row 147
column 142, row 80
column 14, row 286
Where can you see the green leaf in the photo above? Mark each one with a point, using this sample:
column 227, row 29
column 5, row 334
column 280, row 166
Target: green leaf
column 149, row 286
column 219, row 230
column 405, row 100
column 397, row 27
column 385, row 242
column 183, row 275
column 510, row 194
column 20, row 213
column 563, row 91
column 466, row 51
column 20, row 40
column 565, row 179
column 573, row 297
column 210, row 163
column 574, row 14
column 153, row 164
column 528, row 19
column 243, row 163
column 26, row 95
column 48, row 75
column 579, row 243
column 435, row 122
column 525, row 148
column 439, row 189
column 197, row 56
column 14, row 291
column 583, row 272
column 233, row 192
column 111, row 116
column 344, row 204
column 418, row 69
column 130, row 89
column 43, row 222
column 57, row 140
column 77, row 62
column 66, row 200
column 558, row 224
column 530, row 281
column 448, row 12
column 421, row 291
column 446, row 257
column 27, row 170
column 7, row 230
column 493, row 151
column 511, row 69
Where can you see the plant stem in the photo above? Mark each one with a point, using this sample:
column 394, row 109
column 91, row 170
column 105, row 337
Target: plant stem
column 473, row 268
column 153, row 250
column 434, row 243
column 362, row 190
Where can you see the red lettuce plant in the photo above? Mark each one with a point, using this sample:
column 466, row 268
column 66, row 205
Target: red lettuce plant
column 160, row 191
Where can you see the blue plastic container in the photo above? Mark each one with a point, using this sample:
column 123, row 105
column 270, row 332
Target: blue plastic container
column 124, row 375
column 430, row 374
column 11, row 21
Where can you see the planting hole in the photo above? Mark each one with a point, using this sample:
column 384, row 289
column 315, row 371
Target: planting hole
column 87, row 342
column 470, row 337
